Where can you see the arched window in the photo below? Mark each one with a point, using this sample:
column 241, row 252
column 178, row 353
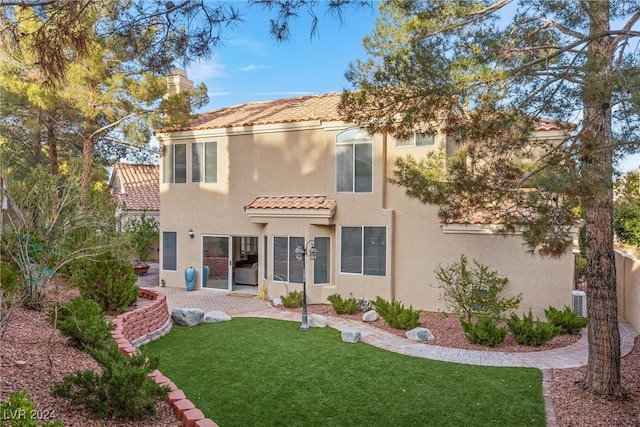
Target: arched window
column 354, row 162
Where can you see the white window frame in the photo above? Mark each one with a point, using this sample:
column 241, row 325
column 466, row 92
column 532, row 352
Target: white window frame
column 206, row 161
column 169, row 164
column 174, row 256
column 318, row 263
column 414, row 140
column 293, row 266
column 367, row 243
column 354, row 139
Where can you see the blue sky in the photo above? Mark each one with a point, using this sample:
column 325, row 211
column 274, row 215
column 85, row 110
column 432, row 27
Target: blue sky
column 252, row 66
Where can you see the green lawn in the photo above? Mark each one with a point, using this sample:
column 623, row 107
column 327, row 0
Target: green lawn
column 264, row 372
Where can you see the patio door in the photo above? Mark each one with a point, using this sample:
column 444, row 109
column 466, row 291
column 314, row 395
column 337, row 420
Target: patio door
column 215, row 256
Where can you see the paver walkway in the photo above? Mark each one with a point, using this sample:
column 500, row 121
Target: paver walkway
column 240, row 305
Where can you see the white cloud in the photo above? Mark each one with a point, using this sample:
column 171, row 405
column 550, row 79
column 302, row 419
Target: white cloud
column 253, row 67
column 251, row 45
column 219, row 93
column 202, row 72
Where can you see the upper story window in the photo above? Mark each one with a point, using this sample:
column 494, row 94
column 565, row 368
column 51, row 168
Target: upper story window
column 204, row 163
column 354, row 162
column 175, row 164
column 417, row 140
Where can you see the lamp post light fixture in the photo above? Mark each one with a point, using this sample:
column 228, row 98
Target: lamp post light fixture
column 190, row 232
column 301, row 253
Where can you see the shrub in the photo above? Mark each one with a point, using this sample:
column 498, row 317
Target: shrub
column 9, row 278
column 292, row 300
column 470, row 292
column 19, row 411
column 122, row 389
column 567, row 320
column 484, row 332
column 83, row 321
column 9, row 292
column 396, row 315
column 580, row 267
column 527, row 333
column 143, row 233
column 344, row 306
column 108, row 280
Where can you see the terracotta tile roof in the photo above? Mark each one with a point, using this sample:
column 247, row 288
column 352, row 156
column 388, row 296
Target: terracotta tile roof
column 551, row 124
column 136, row 186
column 289, row 110
column 292, row 202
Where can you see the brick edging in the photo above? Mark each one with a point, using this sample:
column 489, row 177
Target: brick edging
column 147, row 323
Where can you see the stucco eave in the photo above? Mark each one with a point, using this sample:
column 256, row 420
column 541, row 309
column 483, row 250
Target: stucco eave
column 320, row 216
column 457, row 228
column 190, row 134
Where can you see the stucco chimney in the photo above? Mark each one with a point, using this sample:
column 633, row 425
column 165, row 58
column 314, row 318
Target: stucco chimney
column 177, row 81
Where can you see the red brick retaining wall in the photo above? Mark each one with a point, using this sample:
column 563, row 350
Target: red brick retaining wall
column 149, row 321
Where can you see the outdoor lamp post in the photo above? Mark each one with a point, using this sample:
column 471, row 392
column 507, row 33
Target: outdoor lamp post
column 301, row 253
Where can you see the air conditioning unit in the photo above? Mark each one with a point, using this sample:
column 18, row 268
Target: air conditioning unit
column 579, row 302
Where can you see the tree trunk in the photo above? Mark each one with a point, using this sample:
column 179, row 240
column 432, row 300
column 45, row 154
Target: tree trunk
column 87, row 159
column 603, row 366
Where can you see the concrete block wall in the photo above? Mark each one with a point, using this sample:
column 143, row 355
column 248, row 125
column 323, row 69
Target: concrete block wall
column 146, row 323
column 628, row 281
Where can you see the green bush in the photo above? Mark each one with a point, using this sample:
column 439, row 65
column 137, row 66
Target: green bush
column 122, row 389
column 292, row 300
column 344, row 306
column 396, row 315
column 580, row 267
column 108, row 280
column 474, row 291
column 143, row 234
column 9, row 279
column 83, row 321
column 484, row 332
column 19, row 411
column 526, row 332
column 567, row 320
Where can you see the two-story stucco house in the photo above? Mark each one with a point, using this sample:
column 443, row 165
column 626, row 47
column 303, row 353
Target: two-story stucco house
column 241, row 186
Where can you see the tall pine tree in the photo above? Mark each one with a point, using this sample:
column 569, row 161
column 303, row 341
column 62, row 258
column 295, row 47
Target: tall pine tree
column 494, row 71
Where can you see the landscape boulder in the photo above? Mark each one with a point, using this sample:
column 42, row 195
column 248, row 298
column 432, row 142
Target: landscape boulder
column 187, row 316
column 419, row 334
column 317, row 321
column 216, row 316
column 370, row 316
column 351, row 336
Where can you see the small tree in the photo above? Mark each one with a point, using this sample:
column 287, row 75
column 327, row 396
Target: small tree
column 626, row 209
column 474, row 291
column 50, row 225
column 143, row 234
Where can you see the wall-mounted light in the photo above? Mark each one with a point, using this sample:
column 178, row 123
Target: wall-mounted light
column 190, row 233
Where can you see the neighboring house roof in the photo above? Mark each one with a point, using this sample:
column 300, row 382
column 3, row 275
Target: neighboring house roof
column 136, row 187
column 289, row 110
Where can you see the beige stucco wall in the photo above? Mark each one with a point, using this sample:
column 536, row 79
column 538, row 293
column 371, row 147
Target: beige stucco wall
column 628, row 280
column 267, row 161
